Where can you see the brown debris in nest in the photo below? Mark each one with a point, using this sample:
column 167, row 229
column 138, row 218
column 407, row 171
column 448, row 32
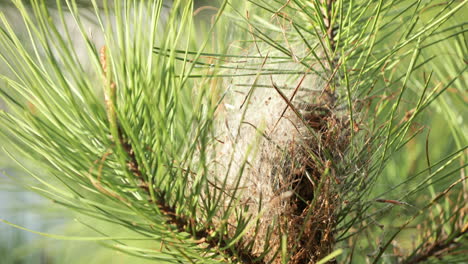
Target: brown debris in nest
column 306, row 170
column 295, row 173
column 310, row 215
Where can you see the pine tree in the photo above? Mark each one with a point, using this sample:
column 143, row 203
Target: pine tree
column 260, row 134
